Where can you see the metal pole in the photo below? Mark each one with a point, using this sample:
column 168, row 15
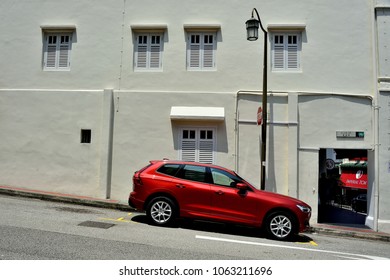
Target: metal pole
column 264, row 123
column 264, row 107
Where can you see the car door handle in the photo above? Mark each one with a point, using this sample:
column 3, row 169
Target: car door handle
column 220, row 192
column 180, row 186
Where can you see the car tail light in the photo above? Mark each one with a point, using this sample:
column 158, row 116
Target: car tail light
column 137, row 179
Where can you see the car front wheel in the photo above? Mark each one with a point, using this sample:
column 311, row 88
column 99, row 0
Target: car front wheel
column 280, row 226
column 161, row 211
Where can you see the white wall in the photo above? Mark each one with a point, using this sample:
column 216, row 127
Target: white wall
column 41, row 113
column 40, row 140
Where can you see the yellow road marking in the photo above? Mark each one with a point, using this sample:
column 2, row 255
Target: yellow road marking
column 310, row 242
column 121, row 219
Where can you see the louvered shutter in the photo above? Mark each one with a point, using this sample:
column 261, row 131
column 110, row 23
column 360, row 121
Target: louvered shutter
column 64, row 48
column 278, row 54
column 292, row 52
column 197, row 145
column 285, row 52
column 148, row 51
column 155, row 52
column 206, row 151
column 208, row 51
column 51, row 50
column 206, row 146
column 188, row 148
column 142, row 51
column 57, row 51
column 194, row 51
column 51, row 56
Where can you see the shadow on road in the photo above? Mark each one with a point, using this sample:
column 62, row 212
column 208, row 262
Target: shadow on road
column 216, row 227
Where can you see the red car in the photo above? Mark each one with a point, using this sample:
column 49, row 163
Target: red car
column 167, row 190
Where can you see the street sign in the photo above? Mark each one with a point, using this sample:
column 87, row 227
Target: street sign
column 259, row 116
column 350, row 134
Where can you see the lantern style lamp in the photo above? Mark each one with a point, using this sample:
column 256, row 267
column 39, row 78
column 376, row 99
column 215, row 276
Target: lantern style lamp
column 252, row 29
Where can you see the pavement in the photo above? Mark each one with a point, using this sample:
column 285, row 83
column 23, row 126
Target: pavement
column 340, row 230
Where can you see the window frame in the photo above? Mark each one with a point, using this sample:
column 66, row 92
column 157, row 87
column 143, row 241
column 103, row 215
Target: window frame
column 54, row 40
column 206, row 59
column 289, row 50
column 150, row 46
column 196, row 149
column 233, row 178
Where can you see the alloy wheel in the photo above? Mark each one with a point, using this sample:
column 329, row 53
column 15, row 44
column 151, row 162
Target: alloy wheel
column 280, row 226
column 161, row 212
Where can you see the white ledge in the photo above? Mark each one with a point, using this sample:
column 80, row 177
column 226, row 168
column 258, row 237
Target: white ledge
column 197, row 113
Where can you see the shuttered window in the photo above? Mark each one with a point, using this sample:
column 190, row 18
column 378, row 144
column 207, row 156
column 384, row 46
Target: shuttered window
column 286, row 49
column 201, row 51
column 148, row 51
column 197, row 144
column 57, row 49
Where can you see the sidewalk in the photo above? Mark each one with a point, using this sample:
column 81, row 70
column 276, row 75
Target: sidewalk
column 341, row 230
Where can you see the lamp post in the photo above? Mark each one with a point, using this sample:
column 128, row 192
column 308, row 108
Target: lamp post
column 252, row 28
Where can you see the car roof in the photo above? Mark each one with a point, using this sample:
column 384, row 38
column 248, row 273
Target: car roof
column 189, row 162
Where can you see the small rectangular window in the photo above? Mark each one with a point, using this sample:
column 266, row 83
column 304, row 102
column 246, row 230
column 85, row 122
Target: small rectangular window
column 148, row 52
column 56, row 51
column 86, row 136
column 286, row 52
column 197, row 145
column 201, row 48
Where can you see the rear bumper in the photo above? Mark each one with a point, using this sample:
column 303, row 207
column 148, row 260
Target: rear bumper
column 135, row 203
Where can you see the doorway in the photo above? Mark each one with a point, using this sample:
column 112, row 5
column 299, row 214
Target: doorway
column 342, row 187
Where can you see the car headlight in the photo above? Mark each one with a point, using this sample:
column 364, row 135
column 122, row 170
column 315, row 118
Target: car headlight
column 304, row 209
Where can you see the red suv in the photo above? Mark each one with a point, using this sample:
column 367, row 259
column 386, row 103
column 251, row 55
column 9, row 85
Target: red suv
column 167, row 190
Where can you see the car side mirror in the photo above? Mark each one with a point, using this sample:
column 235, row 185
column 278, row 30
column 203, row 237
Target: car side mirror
column 241, row 186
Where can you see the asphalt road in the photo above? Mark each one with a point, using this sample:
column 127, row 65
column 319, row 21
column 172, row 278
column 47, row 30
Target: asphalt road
column 32, row 229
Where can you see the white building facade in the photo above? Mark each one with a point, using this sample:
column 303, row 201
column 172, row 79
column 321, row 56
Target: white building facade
column 90, row 91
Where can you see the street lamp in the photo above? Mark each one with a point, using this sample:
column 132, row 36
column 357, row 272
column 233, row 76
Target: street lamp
column 252, row 28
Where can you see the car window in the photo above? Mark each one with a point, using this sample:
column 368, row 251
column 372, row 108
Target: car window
column 169, row 169
column 223, row 178
column 193, row 173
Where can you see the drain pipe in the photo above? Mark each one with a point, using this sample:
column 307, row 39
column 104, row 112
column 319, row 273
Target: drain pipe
column 376, row 115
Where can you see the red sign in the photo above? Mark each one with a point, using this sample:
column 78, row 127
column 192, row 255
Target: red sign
column 354, row 179
column 259, row 116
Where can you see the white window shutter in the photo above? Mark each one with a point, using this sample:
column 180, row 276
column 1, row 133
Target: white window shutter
column 208, row 56
column 155, row 56
column 194, row 56
column 188, row 149
column 206, row 151
column 64, row 50
column 148, row 51
column 201, row 51
column 292, row 57
column 51, row 56
column 142, row 52
column 198, row 145
column 278, row 56
column 57, row 51
column 286, row 52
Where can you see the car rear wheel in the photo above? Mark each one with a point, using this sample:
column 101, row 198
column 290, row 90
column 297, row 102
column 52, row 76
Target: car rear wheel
column 280, row 225
column 161, row 211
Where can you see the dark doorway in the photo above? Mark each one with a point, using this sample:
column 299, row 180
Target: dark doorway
column 342, row 188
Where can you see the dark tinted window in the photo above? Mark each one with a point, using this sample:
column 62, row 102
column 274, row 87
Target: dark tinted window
column 169, row 169
column 193, row 173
